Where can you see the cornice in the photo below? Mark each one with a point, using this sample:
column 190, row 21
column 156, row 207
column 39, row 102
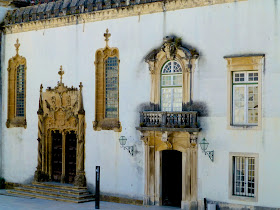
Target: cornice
column 19, row 21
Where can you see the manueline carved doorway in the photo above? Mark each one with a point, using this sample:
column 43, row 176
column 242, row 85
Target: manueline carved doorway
column 61, row 139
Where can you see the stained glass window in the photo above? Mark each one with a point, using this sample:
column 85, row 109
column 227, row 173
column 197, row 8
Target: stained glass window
column 111, row 84
column 171, row 87
column 20, row 91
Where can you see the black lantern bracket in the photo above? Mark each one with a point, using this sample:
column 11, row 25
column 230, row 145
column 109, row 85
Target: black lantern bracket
column 122, row 141
column 210, row 155
column 204, row 145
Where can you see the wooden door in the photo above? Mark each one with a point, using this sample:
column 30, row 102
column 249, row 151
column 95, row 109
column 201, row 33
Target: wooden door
column 70, row 159
column 56, row 156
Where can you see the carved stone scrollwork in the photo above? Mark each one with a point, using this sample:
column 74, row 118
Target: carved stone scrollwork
column 144, row 137
column 193, row 139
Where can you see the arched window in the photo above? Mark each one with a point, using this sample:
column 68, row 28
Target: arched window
column 107, row 88
column 171, row 86
column 16, row 115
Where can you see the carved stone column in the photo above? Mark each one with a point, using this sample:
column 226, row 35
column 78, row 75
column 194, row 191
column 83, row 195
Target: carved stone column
column 63, row 177
column 80, row 178
column 39, row 175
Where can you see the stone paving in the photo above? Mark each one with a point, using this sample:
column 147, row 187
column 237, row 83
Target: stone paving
column 23, row 203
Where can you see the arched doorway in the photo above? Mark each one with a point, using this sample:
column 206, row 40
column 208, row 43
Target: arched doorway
column 171, row 178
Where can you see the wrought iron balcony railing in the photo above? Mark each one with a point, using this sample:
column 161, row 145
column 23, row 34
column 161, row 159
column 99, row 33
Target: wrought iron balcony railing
column 184, row 119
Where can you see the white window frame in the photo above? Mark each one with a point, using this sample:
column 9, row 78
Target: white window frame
column 232, row 191
column 252, row 63
column 246, row 84
column 171, row 86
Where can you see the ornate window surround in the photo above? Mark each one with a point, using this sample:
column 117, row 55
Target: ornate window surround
column 252, row 63
column 101, row 56
column 13, row 64
column 171, row 49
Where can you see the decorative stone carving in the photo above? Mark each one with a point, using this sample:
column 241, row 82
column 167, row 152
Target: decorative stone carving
column 193, row 139
column 171, row 49
column 12, row 119
column 101, row 56
column 61, row 109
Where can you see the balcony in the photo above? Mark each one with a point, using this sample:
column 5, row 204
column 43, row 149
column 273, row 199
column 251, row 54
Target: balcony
column 169, row 121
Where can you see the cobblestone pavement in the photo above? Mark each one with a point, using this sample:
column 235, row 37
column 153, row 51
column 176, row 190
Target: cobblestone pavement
column 23, row 203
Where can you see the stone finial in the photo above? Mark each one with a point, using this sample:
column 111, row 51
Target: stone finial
column 41, row 88
column 17, row 45
column 61, row 72
column 81, row 86
column 107, row 36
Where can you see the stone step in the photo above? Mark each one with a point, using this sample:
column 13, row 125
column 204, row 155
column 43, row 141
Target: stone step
column 59, row 185
column 60, row 190
column 53, row 193
column 48, row 197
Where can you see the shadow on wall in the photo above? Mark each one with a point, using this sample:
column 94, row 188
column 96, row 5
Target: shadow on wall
column 199, row 106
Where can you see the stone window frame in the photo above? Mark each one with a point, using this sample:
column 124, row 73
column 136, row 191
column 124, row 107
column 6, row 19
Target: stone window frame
column 171, row 49
column 13, row 64
column 254, row 63
column 230, row 183
column 101, row 56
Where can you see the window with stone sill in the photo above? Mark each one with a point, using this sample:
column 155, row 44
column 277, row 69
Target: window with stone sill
column 244, row 90
column 16, row 112
column 171, row 87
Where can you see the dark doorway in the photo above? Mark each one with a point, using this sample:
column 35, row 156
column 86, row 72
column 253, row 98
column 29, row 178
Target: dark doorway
column 70, row 159
column 56, row 155
column 171, row 178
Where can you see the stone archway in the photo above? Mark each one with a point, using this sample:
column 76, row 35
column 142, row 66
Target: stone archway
column 60, row 110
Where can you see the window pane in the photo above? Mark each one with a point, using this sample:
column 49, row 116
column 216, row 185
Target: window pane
column 253, row 104
column 20, row 91
column 167, row 68
column 111, row 78
column 166, row 99
column 176, row 67
column 253, row 77
column 166, row 80
column 177, row 80
column 177, row 99
column 238, row 104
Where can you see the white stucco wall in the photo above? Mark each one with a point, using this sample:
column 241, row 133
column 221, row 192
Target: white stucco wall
column 238, row 28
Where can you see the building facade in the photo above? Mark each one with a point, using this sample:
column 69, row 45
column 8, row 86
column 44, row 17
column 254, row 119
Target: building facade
column 162, row 74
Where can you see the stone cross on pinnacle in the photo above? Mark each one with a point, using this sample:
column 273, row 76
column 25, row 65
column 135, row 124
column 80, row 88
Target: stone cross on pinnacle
column 107, row 36
column 61, row 72
column 17, row 44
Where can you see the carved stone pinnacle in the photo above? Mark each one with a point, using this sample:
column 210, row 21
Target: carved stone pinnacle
column 17, row 45
column 61, row 72
column 107, row 36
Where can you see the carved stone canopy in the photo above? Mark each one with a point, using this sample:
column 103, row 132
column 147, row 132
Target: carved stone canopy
column 61, row 105
column 172, row 47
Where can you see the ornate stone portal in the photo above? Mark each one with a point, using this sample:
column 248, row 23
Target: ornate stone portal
column 60, row 110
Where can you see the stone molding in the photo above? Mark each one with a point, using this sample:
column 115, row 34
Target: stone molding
column 13, row 64
column 71, row 12
column 101, row 56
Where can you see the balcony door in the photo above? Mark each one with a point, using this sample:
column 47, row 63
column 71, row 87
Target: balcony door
column 171, row 86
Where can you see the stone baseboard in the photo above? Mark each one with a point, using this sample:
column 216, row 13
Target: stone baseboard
column 120, row 200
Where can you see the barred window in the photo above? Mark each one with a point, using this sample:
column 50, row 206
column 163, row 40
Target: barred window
column 20, row 91
column 111, row 80
column 244, row 176
column 171, row 87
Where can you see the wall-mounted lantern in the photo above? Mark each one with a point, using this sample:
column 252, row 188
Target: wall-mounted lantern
column 204, row 145
column 123, row 140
